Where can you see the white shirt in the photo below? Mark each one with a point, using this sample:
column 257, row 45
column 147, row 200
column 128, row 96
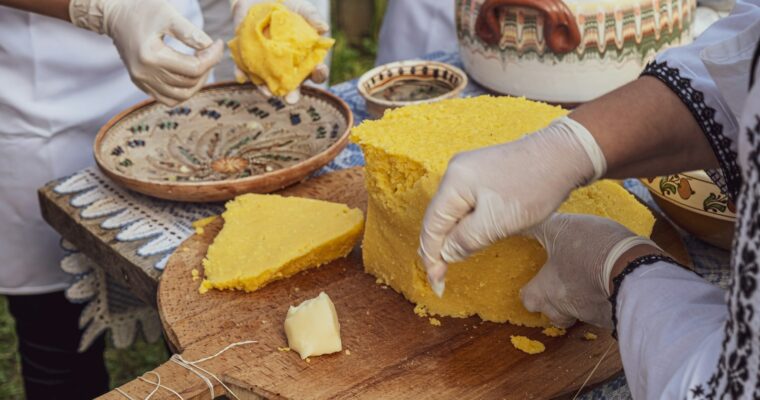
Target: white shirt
column 58, row 85
column 413, row 28
column 681, row 337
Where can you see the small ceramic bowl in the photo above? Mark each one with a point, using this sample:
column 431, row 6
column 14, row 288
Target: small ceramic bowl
column 226, row 140
column 405, row 83
column 695, row 204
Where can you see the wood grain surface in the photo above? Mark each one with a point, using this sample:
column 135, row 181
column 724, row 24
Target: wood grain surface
column 394, row 354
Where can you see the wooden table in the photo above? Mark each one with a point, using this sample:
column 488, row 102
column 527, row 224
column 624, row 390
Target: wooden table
column 119, row 259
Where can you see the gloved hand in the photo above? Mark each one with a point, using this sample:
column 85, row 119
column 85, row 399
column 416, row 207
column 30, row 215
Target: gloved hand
column 574, row 284
column 138, row 29
column 301, row 7
column 498, row 191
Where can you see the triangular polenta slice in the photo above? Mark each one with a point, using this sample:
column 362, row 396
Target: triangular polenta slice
column 270, row 237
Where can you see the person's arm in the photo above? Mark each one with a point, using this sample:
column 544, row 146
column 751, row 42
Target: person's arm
column 138, row 30
column 669, row 320
column 51, row 8
column 644, row 129
column 670, row 326
column 682, row 113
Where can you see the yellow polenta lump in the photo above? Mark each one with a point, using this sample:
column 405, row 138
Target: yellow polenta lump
column 553, row 331
column 269, row 237
column 527, row 345
column 406, row 155
column 277, row 47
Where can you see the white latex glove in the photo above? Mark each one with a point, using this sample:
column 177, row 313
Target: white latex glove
column 138, row 29
column 574, row 282
column 498, row 191
column 301, row 7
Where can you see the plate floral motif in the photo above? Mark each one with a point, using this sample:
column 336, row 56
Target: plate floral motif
column 696, row 204
column 224, row 134
column 692, row 191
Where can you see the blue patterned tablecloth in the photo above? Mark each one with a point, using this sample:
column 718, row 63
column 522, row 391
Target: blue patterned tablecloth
column 167, row 224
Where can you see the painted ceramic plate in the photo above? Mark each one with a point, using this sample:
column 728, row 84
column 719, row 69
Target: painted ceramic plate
column 226, row 140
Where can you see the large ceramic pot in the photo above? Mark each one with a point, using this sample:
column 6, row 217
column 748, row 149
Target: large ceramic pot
column 566, row 51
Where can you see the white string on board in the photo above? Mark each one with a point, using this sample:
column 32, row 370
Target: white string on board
column 159, row 385
column 191, row 366
column 593, row 370
column 124, row 394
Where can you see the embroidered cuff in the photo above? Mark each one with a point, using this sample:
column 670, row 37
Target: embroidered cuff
column 728, row 177
column 617, row 282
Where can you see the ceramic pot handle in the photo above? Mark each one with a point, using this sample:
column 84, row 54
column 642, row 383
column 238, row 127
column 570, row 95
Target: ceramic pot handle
column 560, row 29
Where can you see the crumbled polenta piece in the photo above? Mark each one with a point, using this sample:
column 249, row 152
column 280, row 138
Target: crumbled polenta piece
column 420, row 310
column 527, row 345
column 553, row 331
column 590, row 336
column 277, row 47
column 201, row 223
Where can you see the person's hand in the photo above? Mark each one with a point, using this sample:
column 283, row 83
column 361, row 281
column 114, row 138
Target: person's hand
column 301, row 7
column 494, row 192
column 138, row 29
column 583, row 251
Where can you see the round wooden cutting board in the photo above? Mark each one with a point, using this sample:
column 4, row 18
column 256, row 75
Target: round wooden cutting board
column 391, row 353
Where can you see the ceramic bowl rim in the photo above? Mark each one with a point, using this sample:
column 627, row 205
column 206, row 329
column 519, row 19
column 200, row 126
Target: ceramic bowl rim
column 312, row 163
column 699, row 175
column 464, row 79
column 654, row 192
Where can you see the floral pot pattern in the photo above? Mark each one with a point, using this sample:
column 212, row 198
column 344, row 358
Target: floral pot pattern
column 566, row 52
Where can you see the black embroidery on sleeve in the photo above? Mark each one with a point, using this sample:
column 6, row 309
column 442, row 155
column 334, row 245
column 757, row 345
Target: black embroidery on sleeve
column 755, row 58
column 729, row 176
column 617, row 281
column 737, row 375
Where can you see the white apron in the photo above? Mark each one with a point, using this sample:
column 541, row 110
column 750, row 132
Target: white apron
column 413, row 28
column 58, row 85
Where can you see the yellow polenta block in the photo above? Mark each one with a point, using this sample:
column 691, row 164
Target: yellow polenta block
column 269, row 237
column 277, row 47
column 406, row 155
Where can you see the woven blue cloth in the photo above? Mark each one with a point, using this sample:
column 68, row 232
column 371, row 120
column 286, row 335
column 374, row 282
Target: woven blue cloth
column 167, row 224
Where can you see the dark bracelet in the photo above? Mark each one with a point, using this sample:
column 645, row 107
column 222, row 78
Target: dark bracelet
column 617, row 281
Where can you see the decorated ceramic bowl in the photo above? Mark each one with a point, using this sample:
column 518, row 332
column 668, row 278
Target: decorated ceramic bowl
column 568, row 51
column 405, row 83
column 226, row 140
column 695, row 204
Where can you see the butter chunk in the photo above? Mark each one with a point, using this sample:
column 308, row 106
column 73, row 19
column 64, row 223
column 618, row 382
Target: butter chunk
column 527, row 345
column 277, row 47
column 312, row 327
column 270, row 237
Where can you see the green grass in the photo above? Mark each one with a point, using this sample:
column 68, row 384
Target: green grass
column 348, row 62
column 10, row 376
